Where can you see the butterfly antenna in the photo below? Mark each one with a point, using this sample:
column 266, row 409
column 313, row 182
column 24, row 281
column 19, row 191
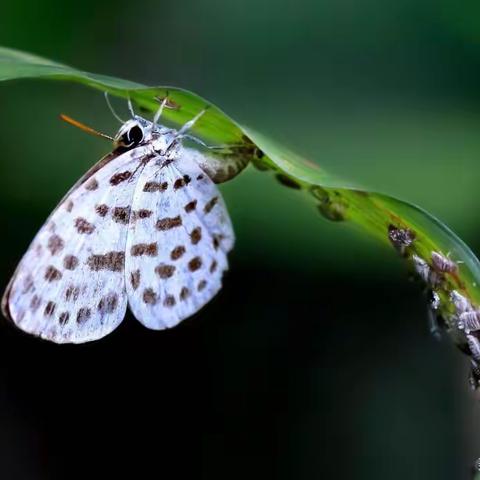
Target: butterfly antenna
column 130, row 107
column 114, row 113
column 84, row 127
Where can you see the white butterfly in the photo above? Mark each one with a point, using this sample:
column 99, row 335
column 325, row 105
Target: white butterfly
column 145, row 227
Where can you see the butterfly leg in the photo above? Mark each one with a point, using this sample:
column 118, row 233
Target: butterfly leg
column 157, row 116
column 187, row 126
column 225, row 146
column 191, row 123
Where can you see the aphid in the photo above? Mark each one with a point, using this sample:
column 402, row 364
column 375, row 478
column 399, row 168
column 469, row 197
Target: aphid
column 422, row 268
column 474, row 347
column 469, row 321
column 460, row 302
column 145, row 227
column 401, row 238
column 443, row 264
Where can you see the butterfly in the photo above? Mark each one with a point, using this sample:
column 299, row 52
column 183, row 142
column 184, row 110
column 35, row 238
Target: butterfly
column 144, row 228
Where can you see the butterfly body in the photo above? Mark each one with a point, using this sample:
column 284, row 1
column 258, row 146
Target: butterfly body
column 145, row 228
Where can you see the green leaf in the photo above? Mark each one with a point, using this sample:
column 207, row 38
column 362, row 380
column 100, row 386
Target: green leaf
column 391, row 220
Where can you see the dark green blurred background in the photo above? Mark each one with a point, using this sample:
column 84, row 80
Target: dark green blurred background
column 315, row 360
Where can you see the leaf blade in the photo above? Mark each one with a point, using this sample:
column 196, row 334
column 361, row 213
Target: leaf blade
column 335, row 198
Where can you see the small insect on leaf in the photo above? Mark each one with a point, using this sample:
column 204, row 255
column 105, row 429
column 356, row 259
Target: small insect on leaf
column 443, row 264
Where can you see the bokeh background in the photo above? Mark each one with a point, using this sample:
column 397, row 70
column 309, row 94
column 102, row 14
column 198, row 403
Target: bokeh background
column 315, row 360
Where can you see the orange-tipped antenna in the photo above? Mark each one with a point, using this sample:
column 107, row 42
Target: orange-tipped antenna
column 84, row 127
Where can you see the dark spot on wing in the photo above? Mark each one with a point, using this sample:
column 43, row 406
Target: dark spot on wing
column 201, row 285
column 83, row 226
column 121, row 215
column 69, row 206
column 149, row 296
column 211, row 203
column 179, row 183
column 169, row 301
column 216, row 240
column 63, row 318
column 194, row 264
column 143, row 213
column 50, row 309
column 102, row 209
column 83, row 315
column 155, row 187
column 108, row 304
column 70, row 262
column 190, row 206
column 52, row 274
column 149, row 249
column 72, row 293
column 135, row 279
column 120, row 177
column 213, row 266
column 196, row 235
column 177, row 252
column 113, row 261
column 55, row 244
column 184, row 293
column 165, row 271
column 168, row 223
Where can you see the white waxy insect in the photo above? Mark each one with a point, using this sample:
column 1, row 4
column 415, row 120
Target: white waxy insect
column 474, row 347
column 469, row 321
column 461, row 303
column 443, row 264
column 422, row 268
column 145, row 227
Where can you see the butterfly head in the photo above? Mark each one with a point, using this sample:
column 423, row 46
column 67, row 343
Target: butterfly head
column 132, row 133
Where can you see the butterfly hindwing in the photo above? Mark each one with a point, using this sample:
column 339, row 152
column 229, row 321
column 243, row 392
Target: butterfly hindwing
column 179, row 237
column 70, row 285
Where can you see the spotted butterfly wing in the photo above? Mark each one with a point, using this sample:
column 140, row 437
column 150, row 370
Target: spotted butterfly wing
column 179, row 237
column 70, row 285
column 146, row 227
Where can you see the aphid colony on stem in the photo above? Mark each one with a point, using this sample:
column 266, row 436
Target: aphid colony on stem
column 147, row 228
column 448, row 308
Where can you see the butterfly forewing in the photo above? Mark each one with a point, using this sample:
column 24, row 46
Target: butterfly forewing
column 179, row 235
column 70, row 285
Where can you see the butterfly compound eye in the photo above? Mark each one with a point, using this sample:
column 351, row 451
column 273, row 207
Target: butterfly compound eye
column 135, row 135
column 130, row 135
